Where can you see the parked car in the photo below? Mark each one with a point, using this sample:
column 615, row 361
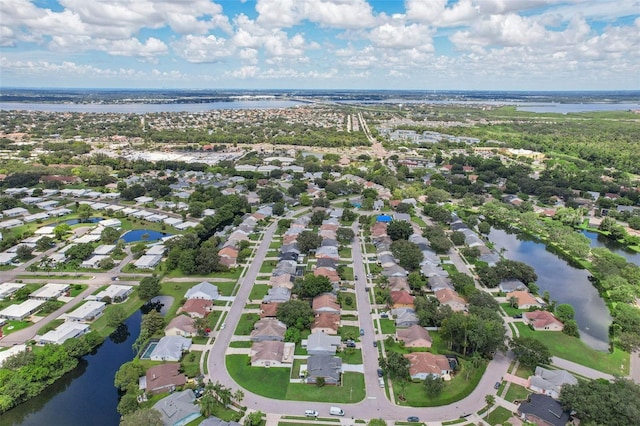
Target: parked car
column 356, row 278
column 413, row 419
column 362, row 331
column 517, row 316
column 375, row 343
column 350, row 344
column 311, row 413
column 380, row 372
column 497, row 385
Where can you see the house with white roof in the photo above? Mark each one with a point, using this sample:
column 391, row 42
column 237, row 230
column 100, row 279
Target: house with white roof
column 50, row 291
column 65, row 331
column 13, row 350
column 170, row 348
column 59, row 212
column 156, row 250
column 104, row 249
column 147, row 261
column 35, row 217
column 11, row 223
column 116, row 292
column 16, row 211
column 20, row 311
column 87, row 312
column 7, row 289
column 185, row 225
column 110, row 223
column 204, row 290
column 94, row 261
column 6, row 258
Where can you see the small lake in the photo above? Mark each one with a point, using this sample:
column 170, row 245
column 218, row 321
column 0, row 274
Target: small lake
column 599, row 240
column 565, row 284
column 143, row 235
column 88, row 220
column 86, row 395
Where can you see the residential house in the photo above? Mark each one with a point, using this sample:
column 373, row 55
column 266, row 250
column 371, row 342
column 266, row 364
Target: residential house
column 543, row 320
column 398, row 284
column 326, row 302
column 423, row 364
column 228, row 256
column 62, row 333
column 87, row 312
column 542, row 410
column 22, row 310
column 268, row 329
column 524, row 299
column 204, row 290
column 115, row 292
column 147, row 261
column 394, row 271
column 401, row 299
column 181, row 325
column 508, row 286
column 170, row 348
column 319, row 343
column 405, row 317
column 414, row 336
column 277, row 295
column 164, row 378
column 331, row 274
column 178, row 408
column 271, row 353
column 197, row 308
column 326, row 322
column 448, row 296
column 268, row 310
column 326, row 366
column 550, row 382
column 284, row 280
column 7, row 289
column 50, row 291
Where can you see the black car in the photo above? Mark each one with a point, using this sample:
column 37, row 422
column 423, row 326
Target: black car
column 380, row 372
column 497, row 385
column 413, row 419
column 375, row 344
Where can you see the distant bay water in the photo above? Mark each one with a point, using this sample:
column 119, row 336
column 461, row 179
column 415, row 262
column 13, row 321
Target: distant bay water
column 146, row 108
column 149, row 108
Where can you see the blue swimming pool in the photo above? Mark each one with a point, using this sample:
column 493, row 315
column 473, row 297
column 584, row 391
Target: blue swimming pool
column 147, row 352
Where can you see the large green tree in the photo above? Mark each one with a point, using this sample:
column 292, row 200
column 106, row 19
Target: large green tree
column 601, row 402
column 530, row 351
column 149, row 287
column 311, row 286
column 295, row 313
column 308, row 240
column 408, row 254
column 399, row 230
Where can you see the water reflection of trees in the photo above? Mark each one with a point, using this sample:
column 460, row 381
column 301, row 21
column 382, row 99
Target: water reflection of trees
column 17, row 415
column 120, row 334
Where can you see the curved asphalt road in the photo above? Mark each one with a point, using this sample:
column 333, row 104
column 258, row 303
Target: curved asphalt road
column 375, row 404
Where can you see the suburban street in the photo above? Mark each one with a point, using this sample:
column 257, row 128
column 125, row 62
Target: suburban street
column 375, row 404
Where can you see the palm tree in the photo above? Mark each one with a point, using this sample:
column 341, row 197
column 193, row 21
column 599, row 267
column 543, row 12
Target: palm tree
column 490, row 400
column 207, row 405
column 238, row 396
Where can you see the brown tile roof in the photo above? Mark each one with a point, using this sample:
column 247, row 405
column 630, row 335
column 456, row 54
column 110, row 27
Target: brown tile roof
column 414, row 336
column 326, row 320
column 197, row 306
column 268, row 309
column 401, row 298
column 162, row 377
column 426, row 362
column 324, row 301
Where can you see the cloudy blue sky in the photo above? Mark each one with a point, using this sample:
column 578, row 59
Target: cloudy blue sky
column 322, row 44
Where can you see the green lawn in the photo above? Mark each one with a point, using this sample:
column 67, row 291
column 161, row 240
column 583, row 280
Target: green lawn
column 351, row 356
column 516, row 392
column 132, row 304
column 352, row 390
column 498, row 416
column 245, row 325
column 388, row 326
column 348, row 301
column 523, row 371
column 458, row 388
column 259, row 291
column 190, row 363
column 48, row 327
column 177, row 291
column 418, row 221
column 511, row 311
column 574, row 349
column 240, row 344
column 269, row 382
column 212, row 318
column 267, row 266
column 225, row 288
column 12, row 326
column 345, row 252
column 349, row 332
column 76, row 289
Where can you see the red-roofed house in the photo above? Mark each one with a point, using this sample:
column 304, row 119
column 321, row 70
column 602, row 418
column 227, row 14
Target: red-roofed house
column 228, row 256
column 447, row 296
column 164, row 377
column 197, row 308
column 401, row 299
column 325, row 322
column 525, row 299
column 543, row 320
column 425, row 364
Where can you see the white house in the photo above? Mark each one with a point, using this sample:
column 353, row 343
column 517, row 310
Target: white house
column 7, row 289
column 156, row 250
column 87, row 312
column 16, row 211
column 115, row 292
column 147, row 261
column 110, row 223
column 64, row 332
column 21, row 311
column 104, row 249
column 170, row 348
column 204, row 290
column 49, row 291
column 7, row 258
column 94, row 261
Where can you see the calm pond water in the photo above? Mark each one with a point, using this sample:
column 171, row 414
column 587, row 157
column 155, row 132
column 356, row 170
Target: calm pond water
column 565, row 284
column 137, row 235
column 598, row 240
column 77, row 221
column 85, row 396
